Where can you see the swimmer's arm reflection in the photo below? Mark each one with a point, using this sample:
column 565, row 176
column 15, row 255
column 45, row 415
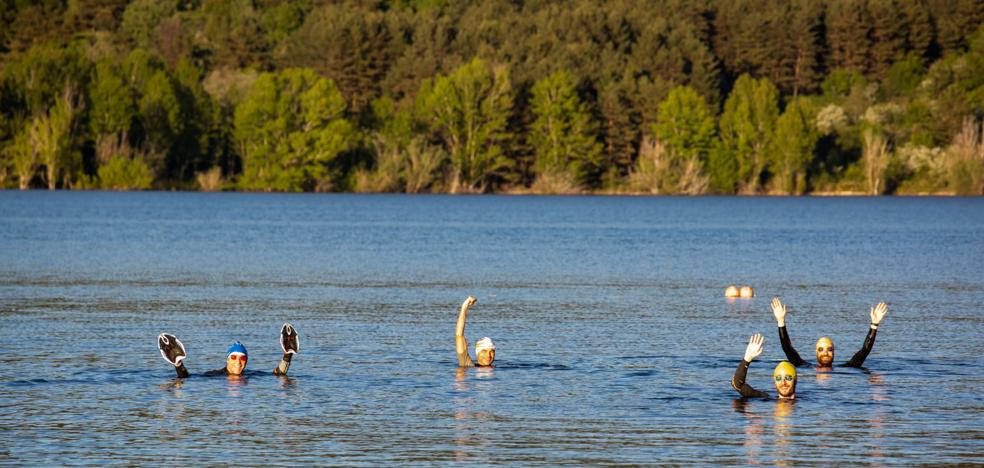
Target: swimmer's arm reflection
column 779, row 311
column 753, row 350
column 460, row 343
column 877, row 313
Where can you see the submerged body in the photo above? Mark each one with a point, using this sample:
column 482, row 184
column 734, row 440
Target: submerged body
column 484, row 348
column 825, row 346
column 173, row 351
column 784, row 374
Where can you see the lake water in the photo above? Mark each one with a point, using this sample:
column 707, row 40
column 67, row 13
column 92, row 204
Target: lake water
column 615, row 345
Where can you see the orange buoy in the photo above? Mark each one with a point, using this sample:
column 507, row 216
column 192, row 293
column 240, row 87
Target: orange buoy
column 731, row 291
column 747, row 291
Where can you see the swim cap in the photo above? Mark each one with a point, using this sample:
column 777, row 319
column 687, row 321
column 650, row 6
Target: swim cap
column 237, row 348
column 824, row 341
column 483, row 344
column 786, row 368
column 731, row 291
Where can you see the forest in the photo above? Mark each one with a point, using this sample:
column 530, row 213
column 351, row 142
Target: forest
column 770, row 97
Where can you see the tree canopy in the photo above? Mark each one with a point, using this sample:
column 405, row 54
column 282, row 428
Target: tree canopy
column 548, row 96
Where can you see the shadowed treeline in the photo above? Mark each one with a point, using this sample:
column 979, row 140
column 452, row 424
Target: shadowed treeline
column 580, row 96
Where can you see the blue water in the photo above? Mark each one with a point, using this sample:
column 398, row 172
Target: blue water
column 615, row 344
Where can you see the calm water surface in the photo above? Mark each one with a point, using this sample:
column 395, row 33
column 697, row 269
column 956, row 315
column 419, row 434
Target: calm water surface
column 615, row 345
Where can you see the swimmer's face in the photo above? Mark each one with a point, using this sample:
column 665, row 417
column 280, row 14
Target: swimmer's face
column 785, row 383
column 825, row 352
column 235, row 364
column 485, row 357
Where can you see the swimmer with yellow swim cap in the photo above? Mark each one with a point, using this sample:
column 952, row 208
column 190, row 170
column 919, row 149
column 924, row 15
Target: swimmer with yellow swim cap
column 784, row 374
column 825, row 346
column 484, row 348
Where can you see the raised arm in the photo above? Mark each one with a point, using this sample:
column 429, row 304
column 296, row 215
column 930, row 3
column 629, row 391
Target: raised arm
column 460, row 344
column 291, row 344
column 779, row 311
column 173, row 351
column 877, row 314
column 752, row 351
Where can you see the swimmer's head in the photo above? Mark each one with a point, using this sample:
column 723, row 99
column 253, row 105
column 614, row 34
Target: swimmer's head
column 731, row 291
column 485, row 351
column 236, row 359
column 746, row 292
column 825, row 352
column 785, row 377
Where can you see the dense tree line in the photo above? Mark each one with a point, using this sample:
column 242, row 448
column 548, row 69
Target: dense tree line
column 543, row 96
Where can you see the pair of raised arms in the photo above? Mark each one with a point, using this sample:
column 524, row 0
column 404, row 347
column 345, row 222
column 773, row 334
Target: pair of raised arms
column 779, row 311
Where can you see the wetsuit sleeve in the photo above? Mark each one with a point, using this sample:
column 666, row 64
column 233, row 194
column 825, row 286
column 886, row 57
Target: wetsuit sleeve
column 181, row 370
column 862, row 354
column 787, row 347
column 281, row 368
column 739, row 384
column 464, row 359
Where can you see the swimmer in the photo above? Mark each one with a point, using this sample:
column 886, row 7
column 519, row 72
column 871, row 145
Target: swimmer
column 825, row 346
column 784, row 374
column 173, row 351
column 484, row 348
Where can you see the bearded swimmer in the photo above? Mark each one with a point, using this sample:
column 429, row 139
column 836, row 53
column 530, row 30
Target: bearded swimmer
column 825, row 346
column 173, row 351
column 784, row 374
column 484, row 348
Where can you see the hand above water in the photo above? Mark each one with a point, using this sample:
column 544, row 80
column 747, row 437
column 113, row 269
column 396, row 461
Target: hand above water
column 754, row 348
column 779, row 311
column 878, row 313
column 289, row 341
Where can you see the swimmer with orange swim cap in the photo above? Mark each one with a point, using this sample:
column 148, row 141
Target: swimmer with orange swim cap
column 484, row 348
column 825, row 346
column 784, row 374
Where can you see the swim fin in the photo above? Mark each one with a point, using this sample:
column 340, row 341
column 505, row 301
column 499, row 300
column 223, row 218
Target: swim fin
column 289, row 341
column 171, row 349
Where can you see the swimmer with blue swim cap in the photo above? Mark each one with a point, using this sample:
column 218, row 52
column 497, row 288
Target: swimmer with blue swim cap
column 825, row 346
column 173, row 351
column 784, row 374
column 484, row 348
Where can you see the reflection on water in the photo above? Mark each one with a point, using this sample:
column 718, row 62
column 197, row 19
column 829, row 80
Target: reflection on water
column 616, row 345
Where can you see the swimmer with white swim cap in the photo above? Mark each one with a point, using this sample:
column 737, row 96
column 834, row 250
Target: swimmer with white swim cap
column 484, row 348
column 825, row 346
column 784, row 374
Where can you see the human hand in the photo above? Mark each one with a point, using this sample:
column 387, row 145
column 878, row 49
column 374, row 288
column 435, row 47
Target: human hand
column 171, row 349
column 289, row 341
column 779, row 311
column 754, row 347
column 469, row 302
column 878, row 313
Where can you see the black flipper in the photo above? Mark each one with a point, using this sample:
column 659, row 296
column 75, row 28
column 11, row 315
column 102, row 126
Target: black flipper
column 172, row 350
column 290, row 342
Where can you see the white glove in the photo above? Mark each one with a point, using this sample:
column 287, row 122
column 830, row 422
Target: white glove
column 878, row 313
column 779, row 311
column 754, row 347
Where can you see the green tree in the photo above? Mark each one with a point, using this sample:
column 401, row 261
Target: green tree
column 747, row 125
column 848, row 35
column 685, row 127
column 140, row 20
column 562, row 134
column 124, row 173
column 111, row 112
column 468, row 111
column 795, row 139
column 289, row 128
